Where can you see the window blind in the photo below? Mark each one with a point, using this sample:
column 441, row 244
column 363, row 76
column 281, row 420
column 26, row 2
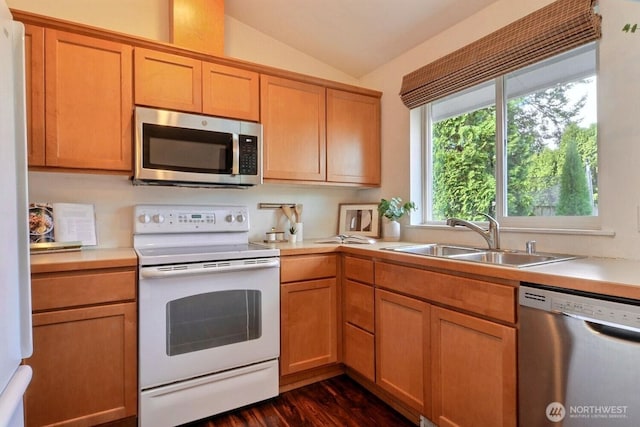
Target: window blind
column 553, row 29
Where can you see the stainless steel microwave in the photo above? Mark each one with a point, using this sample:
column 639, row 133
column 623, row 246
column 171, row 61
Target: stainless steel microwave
column 183, row 149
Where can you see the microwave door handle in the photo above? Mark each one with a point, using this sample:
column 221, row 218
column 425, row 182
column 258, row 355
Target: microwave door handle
column 235, row 166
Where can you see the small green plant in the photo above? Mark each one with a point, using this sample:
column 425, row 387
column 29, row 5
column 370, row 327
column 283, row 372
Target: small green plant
column 394, row 209
column 292, row 229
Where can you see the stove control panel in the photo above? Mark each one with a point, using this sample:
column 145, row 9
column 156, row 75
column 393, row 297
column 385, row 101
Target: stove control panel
column 152, row 219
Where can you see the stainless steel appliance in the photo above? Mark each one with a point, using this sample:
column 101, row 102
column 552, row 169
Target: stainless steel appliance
column 578, row 359
column 209, row 313
column 15, row 285
column 173, row 148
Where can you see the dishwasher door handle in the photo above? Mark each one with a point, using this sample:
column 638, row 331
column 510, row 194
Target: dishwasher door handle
column 622, row 332
column 615, row 332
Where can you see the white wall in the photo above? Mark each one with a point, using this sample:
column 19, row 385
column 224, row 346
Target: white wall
column 619, row 129
column 115, row 196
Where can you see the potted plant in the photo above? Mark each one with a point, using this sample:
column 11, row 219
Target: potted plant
column 391, row 211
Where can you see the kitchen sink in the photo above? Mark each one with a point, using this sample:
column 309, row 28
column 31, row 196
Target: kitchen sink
column 515, row 259
column 497, row 257
column 435, row 249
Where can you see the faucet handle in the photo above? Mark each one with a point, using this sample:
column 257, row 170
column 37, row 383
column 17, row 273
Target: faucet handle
column 530, row 246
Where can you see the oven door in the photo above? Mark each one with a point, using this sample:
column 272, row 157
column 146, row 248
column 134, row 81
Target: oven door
column 197, row 319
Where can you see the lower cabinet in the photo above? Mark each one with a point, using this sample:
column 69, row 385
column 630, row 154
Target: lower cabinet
column 309, row 325
column 402, row 349
column 84, row 356
column 308, row 313
column 474, row 371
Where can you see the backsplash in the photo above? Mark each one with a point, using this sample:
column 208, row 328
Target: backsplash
column 114, row 197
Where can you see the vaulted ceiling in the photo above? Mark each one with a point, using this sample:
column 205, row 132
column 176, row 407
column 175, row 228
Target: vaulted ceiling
column 354, row 36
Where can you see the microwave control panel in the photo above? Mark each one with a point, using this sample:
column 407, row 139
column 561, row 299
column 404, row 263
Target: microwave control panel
column 248, row 154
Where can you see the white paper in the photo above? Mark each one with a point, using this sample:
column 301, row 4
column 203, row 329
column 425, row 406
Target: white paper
column 74, row 222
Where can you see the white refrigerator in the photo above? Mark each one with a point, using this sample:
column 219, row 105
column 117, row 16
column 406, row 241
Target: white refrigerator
column 15, row 283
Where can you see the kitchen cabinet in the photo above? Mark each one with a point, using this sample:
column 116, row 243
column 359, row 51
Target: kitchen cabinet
column 309, row 313
column 167, row 81
column 358, row 326
column 473, row 370
column 182, row 83
column 34, row 91
column 353, row 138
column 319, row 135
column 88, row 102
column 403, row 349
column 85, row 350
column 471, row 358
column 294, row 129
column 230, row 92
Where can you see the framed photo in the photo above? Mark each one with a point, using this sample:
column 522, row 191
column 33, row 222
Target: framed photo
column 359, row 219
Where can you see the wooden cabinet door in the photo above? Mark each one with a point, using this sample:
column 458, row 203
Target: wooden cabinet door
column 353, row 138
column 474, row 371
column 84, row 366
column 34, row 91
column 309, row 325
column 88, row 102
column 230, row 92
column 402, row 349
column 294, row 129
column 168, row 81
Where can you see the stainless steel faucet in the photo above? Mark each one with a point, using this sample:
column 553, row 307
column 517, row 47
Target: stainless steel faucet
column 492, row 235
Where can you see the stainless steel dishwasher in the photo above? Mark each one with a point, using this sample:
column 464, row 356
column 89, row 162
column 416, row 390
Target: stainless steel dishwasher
column 578, row 359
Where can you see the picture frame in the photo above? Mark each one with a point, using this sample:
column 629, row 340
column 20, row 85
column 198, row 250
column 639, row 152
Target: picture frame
column 359, row 219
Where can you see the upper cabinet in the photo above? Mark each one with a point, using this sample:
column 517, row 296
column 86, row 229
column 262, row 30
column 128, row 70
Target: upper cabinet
column 167, row 81
column 294, row 126
column 87, row 100
column 319, row 134
column 230, row 92
column 177, row 82
column 353, row 138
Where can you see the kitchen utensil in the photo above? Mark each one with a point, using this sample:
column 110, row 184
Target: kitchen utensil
column 298, row 209
column 288, row 212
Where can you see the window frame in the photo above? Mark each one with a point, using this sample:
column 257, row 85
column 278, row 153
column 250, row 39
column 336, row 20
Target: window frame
column 421, row 178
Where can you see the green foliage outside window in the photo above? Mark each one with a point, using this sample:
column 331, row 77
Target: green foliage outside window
column 546, row 151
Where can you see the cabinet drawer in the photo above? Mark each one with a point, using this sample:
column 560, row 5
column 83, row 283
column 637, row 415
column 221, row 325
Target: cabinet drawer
column 358, row 305
column 484, row 298
column 307, row 267
column 51, row 291
column 358, row 269
column 359, row 351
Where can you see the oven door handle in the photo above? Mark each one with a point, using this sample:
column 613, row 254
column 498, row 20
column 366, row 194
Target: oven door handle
column 207, row 268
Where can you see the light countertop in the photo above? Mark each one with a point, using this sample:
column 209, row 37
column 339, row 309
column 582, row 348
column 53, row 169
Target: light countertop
column 607, row 276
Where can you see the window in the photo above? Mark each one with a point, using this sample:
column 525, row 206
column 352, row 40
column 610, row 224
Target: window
column 521, row 148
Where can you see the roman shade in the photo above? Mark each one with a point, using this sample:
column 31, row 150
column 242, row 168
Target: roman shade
column 553, row 29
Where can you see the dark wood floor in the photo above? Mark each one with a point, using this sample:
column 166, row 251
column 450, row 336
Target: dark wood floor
column 337, row 401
